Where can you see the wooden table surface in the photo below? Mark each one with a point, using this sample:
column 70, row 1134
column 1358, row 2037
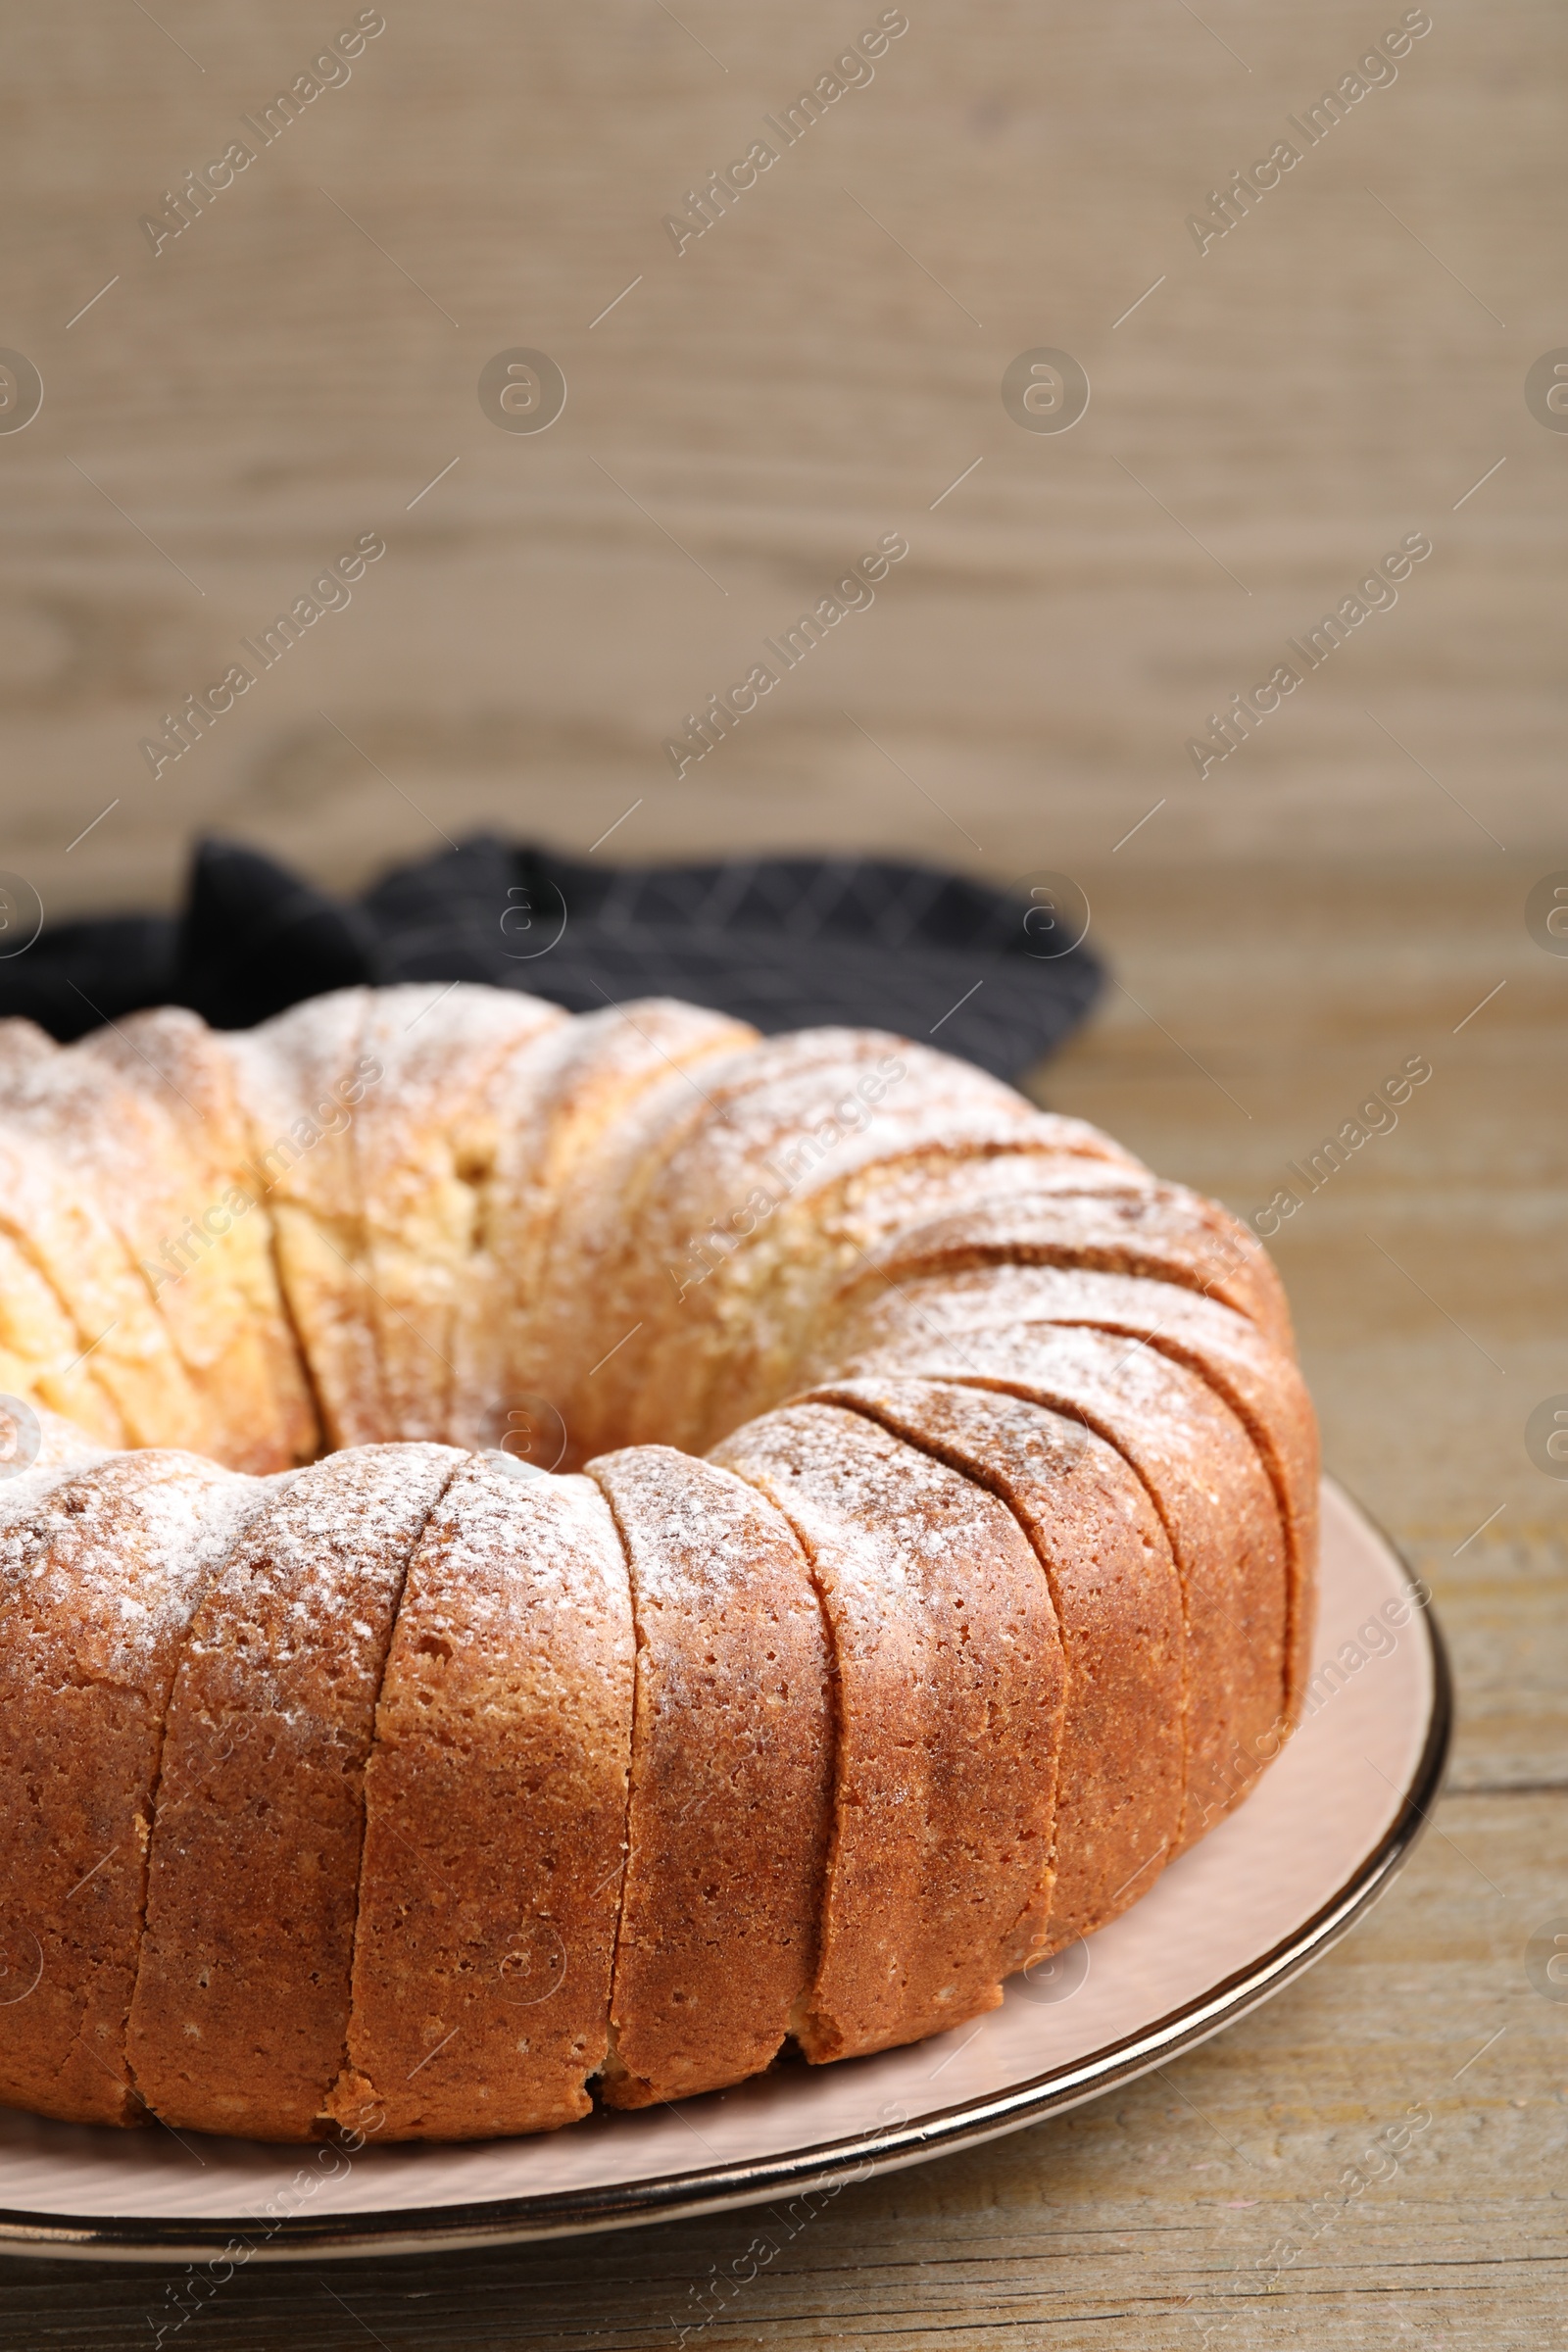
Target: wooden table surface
column 222, row 416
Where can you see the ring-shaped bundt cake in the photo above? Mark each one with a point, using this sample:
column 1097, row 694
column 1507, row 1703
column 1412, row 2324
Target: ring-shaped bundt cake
column 544, row 1553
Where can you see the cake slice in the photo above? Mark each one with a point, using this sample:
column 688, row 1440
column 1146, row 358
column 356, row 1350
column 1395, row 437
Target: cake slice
column 102, row 1564
column 191, row 1220
column 426, row 1139
column 242, row 1996
column 731, row 1779
column 61, row 1177
column 949, row 1699
column 630, row 1246
column 591, row 1319
column 571, row 1133
column 495, row 1818
column 1214, row 1501
column 301, row 1078
column 42, row 1359
column 1118, row 1603
column 40, row 1353
column 1261, row 1384
column 1158, row 1230
column 715, row 1230
column 762, row 1313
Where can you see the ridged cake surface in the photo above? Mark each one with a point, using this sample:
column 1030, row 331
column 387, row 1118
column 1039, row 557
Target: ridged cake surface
column 553, row 1559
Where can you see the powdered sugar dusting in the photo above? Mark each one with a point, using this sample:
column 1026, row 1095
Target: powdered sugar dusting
column 697, row 1532
column 1164, row 1402
column 886, row 1509
column 109, row 1562
column 327, row 1531
column 547, row 1536
column 526, row 1193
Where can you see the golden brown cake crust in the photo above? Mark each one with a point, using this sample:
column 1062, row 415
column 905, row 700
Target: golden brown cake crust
column 1158, row 1230
column 242, row 1998
column 732, row 1760
column 100, row 1571
column 1258, row 1380
column 919, row 1676
column 1118, row 1603
column 1218, row 1508
column 206, row 1244
column 302, row 1079
column 495, row 1818
column 948, row 1699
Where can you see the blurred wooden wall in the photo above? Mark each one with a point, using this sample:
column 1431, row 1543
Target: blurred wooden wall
column 290, row 373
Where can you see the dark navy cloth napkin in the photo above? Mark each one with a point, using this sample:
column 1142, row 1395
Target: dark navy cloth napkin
column 784, row 943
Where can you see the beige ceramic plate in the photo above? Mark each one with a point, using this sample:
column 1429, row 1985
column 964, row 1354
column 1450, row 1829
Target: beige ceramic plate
column 1228, row 1925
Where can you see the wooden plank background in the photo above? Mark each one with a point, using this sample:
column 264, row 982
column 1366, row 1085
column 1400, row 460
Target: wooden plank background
column 296, row 366
column 234, row 411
